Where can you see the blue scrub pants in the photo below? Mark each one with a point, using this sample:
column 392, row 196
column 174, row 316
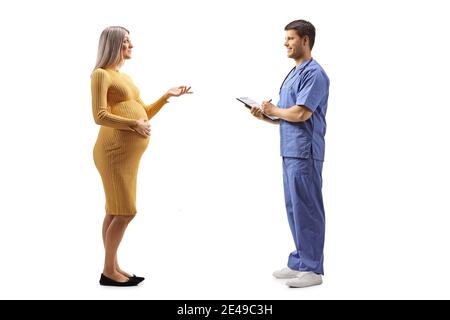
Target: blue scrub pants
column 302, row 179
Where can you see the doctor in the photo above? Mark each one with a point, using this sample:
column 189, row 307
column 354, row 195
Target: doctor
column 301, row 111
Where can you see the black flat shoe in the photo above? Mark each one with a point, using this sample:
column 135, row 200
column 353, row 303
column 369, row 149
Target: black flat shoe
column 105, row 281
column 137, row 279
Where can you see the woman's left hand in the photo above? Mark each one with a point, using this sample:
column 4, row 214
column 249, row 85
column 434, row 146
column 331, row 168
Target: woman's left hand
column 178, row 91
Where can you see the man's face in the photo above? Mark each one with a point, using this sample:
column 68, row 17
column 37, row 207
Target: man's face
column 294, row 45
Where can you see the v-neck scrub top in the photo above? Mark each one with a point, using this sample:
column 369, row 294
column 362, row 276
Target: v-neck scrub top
column 306, row 85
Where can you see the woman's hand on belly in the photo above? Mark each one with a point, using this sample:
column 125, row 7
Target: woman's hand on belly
column 142, row 127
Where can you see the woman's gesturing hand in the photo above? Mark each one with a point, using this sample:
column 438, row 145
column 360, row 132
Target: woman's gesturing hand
column 178, row 91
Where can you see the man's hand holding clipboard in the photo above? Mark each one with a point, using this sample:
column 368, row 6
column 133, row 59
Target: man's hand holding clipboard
column 256, row 109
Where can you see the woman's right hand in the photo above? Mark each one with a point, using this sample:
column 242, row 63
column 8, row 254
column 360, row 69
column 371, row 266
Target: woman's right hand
column 142, row 127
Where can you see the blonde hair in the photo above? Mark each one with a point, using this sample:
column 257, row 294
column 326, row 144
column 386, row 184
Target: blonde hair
column 110, row 46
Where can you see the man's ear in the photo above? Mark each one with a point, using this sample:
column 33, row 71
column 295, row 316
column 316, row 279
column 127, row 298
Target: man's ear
column 305, row 41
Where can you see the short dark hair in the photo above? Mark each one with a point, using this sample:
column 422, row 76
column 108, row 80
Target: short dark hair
column 303, row 28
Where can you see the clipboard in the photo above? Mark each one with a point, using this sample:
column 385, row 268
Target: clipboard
column 249, row 103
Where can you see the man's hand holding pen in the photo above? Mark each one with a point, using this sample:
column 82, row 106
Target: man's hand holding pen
column 268, row 108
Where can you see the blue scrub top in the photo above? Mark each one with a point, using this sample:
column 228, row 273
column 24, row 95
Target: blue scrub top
column 306, row 85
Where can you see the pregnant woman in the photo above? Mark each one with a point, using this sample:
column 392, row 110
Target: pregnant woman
column 123, row 137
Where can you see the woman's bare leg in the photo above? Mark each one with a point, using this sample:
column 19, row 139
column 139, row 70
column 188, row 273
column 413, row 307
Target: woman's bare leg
column 113, row 236
column 106, row 222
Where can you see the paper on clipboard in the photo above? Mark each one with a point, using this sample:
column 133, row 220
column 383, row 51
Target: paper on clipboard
column 249, row 103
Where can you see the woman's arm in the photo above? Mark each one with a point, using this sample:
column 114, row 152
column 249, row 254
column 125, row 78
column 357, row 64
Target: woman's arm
column 100, row 82
column 154, row 108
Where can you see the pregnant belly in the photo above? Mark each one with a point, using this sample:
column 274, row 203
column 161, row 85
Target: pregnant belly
column 120, row 145
column 130, row 109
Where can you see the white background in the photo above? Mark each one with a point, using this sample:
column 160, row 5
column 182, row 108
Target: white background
column 211, row 221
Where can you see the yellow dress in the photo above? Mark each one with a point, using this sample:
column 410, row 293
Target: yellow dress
column 116, row 105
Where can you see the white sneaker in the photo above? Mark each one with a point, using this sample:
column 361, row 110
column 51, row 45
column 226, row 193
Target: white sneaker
column 286, row 273
column 305, row 279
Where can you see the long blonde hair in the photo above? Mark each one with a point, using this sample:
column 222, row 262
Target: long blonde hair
column 110, row 46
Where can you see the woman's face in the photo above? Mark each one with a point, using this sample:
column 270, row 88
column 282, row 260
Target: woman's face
column 126, row 47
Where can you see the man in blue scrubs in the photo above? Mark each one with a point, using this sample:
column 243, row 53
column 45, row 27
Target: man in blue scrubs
column 301, row 111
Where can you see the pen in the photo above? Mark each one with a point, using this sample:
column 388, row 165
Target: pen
column 270, row 100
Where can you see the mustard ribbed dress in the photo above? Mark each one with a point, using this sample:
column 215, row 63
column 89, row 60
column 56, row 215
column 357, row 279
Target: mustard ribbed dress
column 116, row 105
